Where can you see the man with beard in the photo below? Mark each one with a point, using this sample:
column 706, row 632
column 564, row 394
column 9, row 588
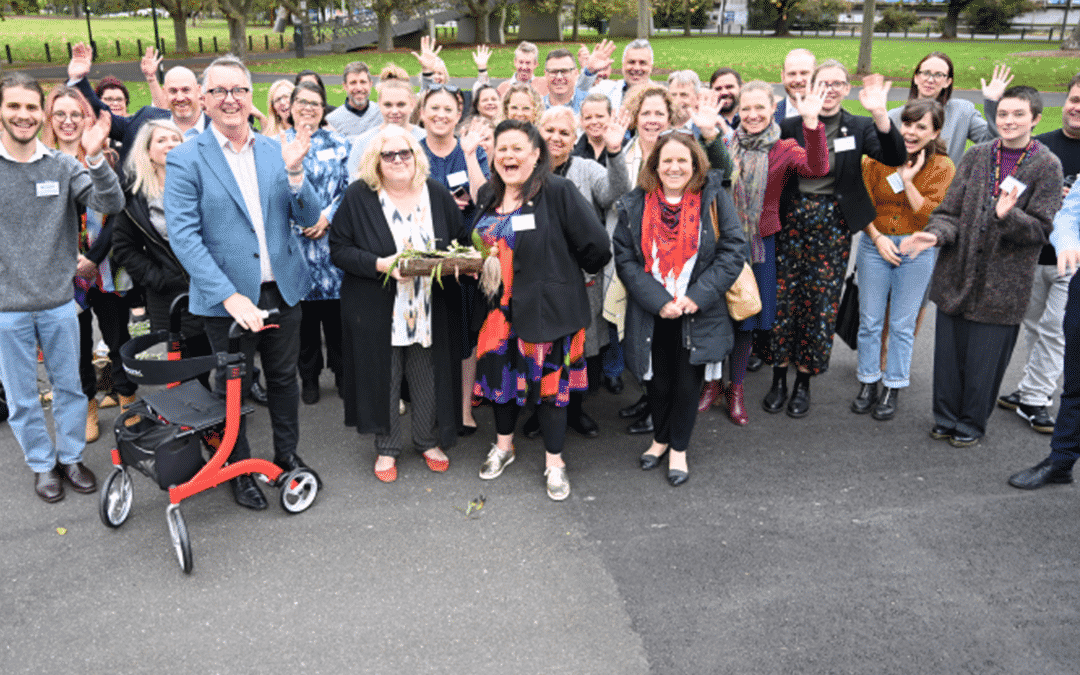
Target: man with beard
column 799, row 65
column 357, row 115
column 727, row 83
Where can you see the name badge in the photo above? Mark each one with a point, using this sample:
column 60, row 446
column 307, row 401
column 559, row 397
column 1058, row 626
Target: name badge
column 896, row 182
column 48, row 188
column 1009, row 183
column 325, row 155
column 523, row 222
column 844, row 144
column 457, row 178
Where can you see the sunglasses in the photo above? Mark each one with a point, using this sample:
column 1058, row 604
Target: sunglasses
column 391, row 156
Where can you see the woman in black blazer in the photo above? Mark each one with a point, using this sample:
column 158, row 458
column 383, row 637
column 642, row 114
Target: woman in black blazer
column 544, row 234
column 819, row 216
column 405, row 327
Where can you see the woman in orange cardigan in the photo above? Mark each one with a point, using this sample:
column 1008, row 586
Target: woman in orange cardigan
column 903, row 198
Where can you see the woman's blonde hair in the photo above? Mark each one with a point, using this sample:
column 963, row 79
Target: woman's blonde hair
column 273, row 120
column 138, row 167
column 370, row 168
column 636, row 98
column 519, row 88
column 561, row 112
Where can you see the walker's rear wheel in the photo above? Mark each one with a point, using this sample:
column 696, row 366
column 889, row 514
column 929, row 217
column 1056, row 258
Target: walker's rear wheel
column 114, row 504
column 179, row 535
column 298, row 490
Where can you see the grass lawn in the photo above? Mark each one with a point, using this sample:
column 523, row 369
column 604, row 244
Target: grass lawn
column 27, row 36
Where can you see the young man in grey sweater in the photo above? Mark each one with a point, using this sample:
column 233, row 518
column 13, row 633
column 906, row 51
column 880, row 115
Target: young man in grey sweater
column 43, row 193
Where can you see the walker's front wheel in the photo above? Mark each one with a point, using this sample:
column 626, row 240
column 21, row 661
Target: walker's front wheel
column 298, row 490
column 178, row 533
column 114, row 504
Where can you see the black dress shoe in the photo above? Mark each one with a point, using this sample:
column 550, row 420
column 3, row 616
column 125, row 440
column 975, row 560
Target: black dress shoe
column 642, row 426
column 613, row 384
column 258, row 394
column 466, row 430
column 1009, row 402
column 776, row 398
column 940, row 432
column 636, row 410
column 81, row 479
column 866, row 398
column 247, row 493
column 754, row 363
column 649, row 462
column 584, row 425
column 1043, row 473
column 309, row 392
column 885, row 409
column 959, row 439
column 531, row 428
column 47, row 485
column 799, row 403
column 677, row 478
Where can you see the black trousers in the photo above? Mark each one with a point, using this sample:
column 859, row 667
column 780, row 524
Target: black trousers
column 970, row 359
column 321, row 319
column 278, row 350
column 111, row 311
column 1065, row 444
column 675, row 387
column 552, row 423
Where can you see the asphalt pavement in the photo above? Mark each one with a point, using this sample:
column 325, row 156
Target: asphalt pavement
column 831, row 544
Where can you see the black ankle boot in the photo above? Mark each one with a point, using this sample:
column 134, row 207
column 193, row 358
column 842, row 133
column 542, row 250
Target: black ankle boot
column 886, row 405
column 777, row 396
column 866, row 399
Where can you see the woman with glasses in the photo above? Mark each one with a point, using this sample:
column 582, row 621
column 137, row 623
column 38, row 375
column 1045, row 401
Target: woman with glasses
column 325, row 168
column 933, row 79
column 278, row 107
column 100, row 285
column 397, row 327
column 820, row 215
column 678, row 249
column 522, row 103
column 532, row 350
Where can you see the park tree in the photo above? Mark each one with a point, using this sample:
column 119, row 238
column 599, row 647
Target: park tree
column 784, row 8
column 866, row 40
column 236, row 14
column 952, row 18
column 1072, row 40
column 179, row 11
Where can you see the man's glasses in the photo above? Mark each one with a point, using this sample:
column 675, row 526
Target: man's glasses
column 835, row 84
column 220, row 93
column 391, row 156
column 559, row 72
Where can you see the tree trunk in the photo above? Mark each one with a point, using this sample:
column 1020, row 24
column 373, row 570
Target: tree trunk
column 386, row 32
column 577, row 20
column 483, row 26
column 866, row 41
column 644, row 19
column 500, row 39
column 179, row 20
column 1072, row 40
column 237, row 35
column 76, row 9
column 782, row 25
column 686, row 17
column 952, row 19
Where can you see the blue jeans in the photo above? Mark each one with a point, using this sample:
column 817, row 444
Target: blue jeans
column 57, row 331
column 899, row 290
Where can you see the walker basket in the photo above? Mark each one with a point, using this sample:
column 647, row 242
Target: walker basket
column 166, row 453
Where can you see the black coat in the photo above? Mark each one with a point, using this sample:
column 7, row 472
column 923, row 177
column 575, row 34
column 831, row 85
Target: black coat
column 708, row 332
column 888, row 148
column 360, row 235
column 549, row 300
column 144, row 253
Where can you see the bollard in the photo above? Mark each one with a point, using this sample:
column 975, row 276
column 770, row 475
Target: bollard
column 118, row 48
column 69, row 51
column 281, row 40
column 251, row 44
column 138, row 45
column 200, row 44
column 266, row 42
column 8, row 49
column 48, row 56
column 215, row 44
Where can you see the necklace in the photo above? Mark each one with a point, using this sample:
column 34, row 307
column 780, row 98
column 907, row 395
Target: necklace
column 1028, row 149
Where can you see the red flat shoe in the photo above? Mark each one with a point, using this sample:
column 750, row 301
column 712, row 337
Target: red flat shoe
column 436, row 465
column 389, row 475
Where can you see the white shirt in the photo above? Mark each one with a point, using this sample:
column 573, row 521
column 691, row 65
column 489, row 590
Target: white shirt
column 242, row 165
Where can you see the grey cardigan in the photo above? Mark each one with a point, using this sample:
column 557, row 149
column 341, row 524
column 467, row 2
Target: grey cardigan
column 963, row 122
column 986, row 265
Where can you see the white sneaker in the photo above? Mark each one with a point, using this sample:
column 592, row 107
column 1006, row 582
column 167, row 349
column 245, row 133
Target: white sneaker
column 496, row 461
column 558, row 486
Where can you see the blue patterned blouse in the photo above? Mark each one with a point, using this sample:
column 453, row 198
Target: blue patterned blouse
column 325, row 168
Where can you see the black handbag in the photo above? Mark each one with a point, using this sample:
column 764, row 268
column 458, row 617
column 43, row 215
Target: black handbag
column 847, row 315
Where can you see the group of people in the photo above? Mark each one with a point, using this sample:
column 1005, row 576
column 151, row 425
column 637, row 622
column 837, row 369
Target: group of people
column 613, row 217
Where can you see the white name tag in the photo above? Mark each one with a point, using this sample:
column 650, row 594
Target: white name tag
column 523, row 222
column 325, row 155
column 844, row 144
column 457, row 178
column 48, row 188
column 896, row 182
column 1009, row 183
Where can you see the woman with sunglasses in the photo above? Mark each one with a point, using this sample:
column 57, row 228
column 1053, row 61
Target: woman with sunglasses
column 397, row 327
column 543, row 234
column 326, row 170
column 678, row 249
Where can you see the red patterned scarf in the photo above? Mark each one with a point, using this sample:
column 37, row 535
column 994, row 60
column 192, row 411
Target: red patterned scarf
column 675, row 237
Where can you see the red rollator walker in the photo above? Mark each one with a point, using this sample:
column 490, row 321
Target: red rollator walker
column 163, row 435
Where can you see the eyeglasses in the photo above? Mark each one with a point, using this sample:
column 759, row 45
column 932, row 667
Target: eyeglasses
column 302, row 103
column 391, row 156
column 835, row 84
column 62, row 116
column 558, row 72
column 220, row 93
column 442, row 87
column 933, row 76
column 284, row 98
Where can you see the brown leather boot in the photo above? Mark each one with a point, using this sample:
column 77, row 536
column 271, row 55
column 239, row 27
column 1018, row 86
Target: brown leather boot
column 709, row 393
column 736, row 405
column 92, row 429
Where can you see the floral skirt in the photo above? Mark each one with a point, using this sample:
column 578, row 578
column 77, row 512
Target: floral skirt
column 510, row 369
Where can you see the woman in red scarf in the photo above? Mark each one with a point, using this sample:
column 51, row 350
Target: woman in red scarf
column 678, row 248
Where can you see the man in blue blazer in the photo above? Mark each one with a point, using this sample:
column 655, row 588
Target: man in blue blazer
column 229, row 197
